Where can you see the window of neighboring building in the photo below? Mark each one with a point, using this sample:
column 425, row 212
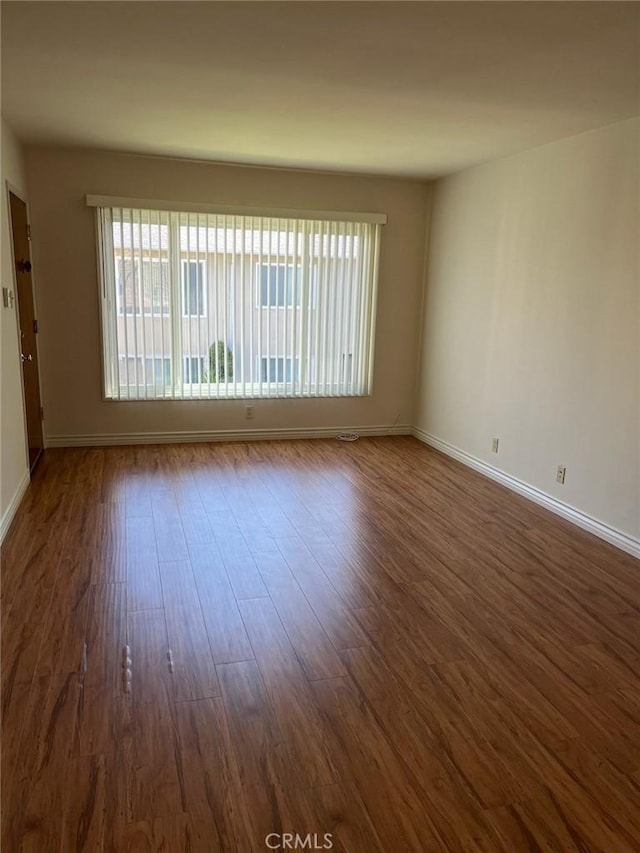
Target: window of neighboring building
column 279, row 369
column 278, row 285
column 194, row 294
column 142, row 285
column 195, row 369
column 150, row 370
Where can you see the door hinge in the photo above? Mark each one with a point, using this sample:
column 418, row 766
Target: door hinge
column 28, row 231
column 35, row 327
column 41, row 413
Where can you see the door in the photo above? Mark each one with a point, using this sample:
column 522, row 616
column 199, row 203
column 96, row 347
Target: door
column 28, row 327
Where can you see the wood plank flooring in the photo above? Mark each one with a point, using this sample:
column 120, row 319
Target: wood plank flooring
column 365, row 644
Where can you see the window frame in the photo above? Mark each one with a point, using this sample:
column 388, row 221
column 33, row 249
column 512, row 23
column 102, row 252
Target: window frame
column 321, row 381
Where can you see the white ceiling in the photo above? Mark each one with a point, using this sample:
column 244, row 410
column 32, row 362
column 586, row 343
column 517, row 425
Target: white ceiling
column 413, row 89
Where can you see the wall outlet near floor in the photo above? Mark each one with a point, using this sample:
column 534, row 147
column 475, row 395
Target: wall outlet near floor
column 561, row 473
column 248, row 412
column 494, row 445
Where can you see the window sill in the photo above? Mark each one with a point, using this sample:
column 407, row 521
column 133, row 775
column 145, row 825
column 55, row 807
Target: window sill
column 274, row 391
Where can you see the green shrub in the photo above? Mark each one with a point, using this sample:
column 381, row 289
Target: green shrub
column 220, row 362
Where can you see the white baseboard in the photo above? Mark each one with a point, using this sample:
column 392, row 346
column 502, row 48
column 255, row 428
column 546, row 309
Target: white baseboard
column 581, row 519
column 101, row 440
column 11, row 510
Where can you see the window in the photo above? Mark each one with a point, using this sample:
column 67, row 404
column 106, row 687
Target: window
column 216, row 305
column 195, row 369
column 277, row 369
column 151, row 370
column 193, row 289
column 277, row 285
column 142, row 287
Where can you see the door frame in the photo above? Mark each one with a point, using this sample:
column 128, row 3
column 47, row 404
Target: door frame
column 18, row 193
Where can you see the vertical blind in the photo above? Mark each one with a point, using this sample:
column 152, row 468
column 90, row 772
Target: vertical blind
column 212, row 305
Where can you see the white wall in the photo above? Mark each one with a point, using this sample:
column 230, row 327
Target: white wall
column 14, row 468
column 67, row 290
column 532, row 320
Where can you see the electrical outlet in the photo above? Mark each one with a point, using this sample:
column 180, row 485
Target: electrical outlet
column 494, row 445
column 561, row 473
column 248, row 412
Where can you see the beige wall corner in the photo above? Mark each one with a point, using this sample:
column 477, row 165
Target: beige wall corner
column 13, row 446
column 532, row 320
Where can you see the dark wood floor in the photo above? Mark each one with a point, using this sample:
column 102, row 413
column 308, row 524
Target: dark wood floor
column 366, row 640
